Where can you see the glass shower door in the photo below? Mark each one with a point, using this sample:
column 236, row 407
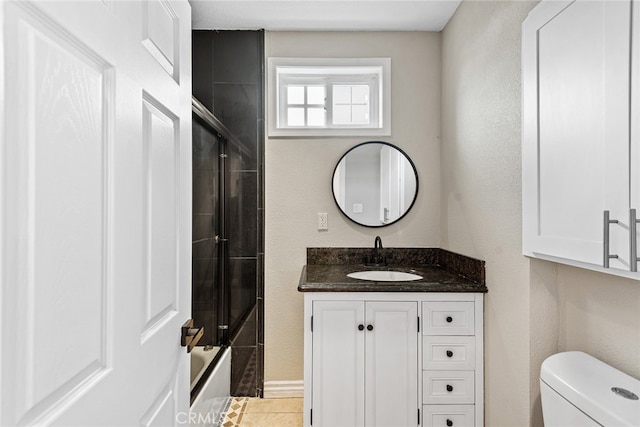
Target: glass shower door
column 209, row 307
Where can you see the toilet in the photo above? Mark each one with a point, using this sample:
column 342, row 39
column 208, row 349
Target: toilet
column 580, row 390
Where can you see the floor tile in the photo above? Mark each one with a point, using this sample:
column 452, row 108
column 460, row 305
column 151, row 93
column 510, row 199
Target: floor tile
column 274, row 405
column 253, row 412
column 268, row 419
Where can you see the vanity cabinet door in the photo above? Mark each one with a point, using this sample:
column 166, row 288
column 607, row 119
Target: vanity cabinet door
column 576, row 96
column 365, row 363
column 391, row 360
column 338, row 363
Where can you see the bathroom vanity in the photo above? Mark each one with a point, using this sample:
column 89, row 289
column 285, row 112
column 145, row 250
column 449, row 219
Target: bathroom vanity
column 402, row 353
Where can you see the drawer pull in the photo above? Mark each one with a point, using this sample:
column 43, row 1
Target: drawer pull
column 369, row 327
column 449, row 353
column 449, row 388
column 361, row 327
column 449, row 422
column 449, row 319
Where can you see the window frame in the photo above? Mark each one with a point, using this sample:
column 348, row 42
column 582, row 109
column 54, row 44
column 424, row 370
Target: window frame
column 374, row 72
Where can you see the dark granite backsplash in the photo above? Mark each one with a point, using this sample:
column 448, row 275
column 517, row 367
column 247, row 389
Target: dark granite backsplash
column 470, row 268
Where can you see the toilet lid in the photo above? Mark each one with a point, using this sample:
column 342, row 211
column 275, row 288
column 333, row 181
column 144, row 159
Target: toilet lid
column 587, row 383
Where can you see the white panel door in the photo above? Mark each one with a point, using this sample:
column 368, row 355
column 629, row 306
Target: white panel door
column 95, row 224
column 391, row 360
column 576, row 129
column 338, row 363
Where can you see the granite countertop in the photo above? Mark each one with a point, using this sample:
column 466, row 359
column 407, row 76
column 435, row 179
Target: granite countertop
column 441, row 271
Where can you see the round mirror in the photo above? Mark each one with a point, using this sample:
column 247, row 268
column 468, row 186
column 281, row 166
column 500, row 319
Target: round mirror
column 375, row 184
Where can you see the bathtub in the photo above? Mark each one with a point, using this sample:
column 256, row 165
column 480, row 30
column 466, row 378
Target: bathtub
column 200, row 359
column 215, row 395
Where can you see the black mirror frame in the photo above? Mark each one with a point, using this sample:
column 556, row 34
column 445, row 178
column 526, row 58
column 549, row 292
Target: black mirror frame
column 415, row 172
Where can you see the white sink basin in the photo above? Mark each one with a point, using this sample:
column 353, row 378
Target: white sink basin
column 384, row 276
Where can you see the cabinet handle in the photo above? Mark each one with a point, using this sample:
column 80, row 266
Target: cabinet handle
column 449, row 423
column 449, row 388
column 361, row 327
column 633, row 242
column 605, row 240
column 449, row 353
column 369, row 327
column 449, row 319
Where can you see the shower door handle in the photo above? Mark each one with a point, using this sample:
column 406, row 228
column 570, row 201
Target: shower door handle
column 218, row 239
column 190, row 336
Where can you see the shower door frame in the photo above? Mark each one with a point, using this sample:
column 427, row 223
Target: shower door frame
column 221, row 239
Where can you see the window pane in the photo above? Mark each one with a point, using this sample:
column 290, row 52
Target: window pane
column 360, row 94
column 360, row 114
column 315, row 117
column 295, row 94
column 341, row 94
column 295, row 116
column 341, row 114
column 315, row 95
column 340, row 97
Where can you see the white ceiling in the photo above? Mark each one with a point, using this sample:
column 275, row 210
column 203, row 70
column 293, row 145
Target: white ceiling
column 323, row 15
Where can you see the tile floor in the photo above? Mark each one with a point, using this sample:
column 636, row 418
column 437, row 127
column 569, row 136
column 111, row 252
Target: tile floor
column 256, row 412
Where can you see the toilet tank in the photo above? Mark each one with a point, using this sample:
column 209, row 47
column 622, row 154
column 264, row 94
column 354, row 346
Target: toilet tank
column 580, row 390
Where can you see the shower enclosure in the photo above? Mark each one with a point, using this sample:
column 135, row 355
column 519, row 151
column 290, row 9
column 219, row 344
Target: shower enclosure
column 228, row 211
column 224, row 245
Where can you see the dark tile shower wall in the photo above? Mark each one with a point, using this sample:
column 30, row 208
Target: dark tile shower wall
column 228, row 75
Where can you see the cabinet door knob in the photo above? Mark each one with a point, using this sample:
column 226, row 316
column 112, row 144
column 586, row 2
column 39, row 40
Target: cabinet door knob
column 361, row 327
column 449, row 353
column 449, row 422
column 369, row 327
column 449, row 319
column 449, row 388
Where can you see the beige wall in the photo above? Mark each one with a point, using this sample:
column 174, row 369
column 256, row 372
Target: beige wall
column 469, row 202
column 533, row 308
column 600, row 315
column 481, row 208
column 299, row 172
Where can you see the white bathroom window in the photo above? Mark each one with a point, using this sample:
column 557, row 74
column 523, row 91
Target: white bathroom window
column 329, row 97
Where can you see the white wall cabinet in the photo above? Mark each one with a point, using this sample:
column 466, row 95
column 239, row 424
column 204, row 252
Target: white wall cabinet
column 580, row 148
column 393, row 359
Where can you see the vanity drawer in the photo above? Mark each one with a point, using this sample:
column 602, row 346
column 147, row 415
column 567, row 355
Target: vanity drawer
column 448, row 415
column 448, row 352
column 448, row 318
column 448, row 387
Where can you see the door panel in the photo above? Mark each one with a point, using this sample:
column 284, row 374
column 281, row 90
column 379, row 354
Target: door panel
column 161, row 157
column 391, row 363
column 338, row 363
column 56, row 243
column 160, row 29
column 95, row 220
column 576, row 87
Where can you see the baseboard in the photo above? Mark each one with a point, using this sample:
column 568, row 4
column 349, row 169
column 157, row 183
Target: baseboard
column 279, row 389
